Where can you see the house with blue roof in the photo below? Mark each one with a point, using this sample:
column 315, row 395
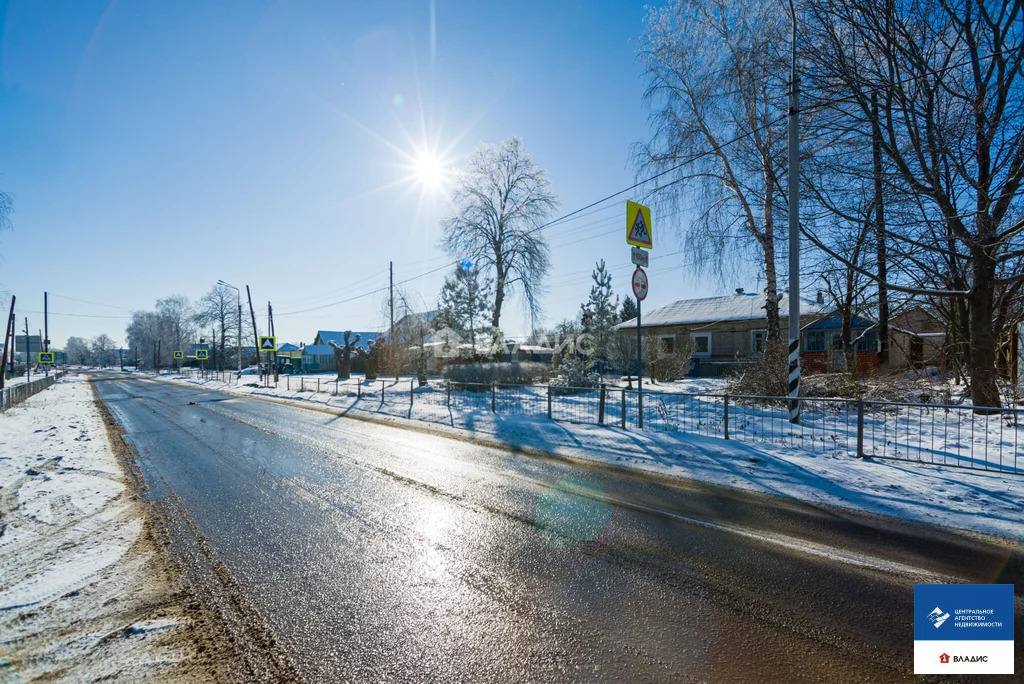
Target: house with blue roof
column 325, row 337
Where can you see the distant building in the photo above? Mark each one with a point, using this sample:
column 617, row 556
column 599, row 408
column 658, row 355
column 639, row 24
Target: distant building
column 917, row 338
column 325, row 337
column 317, row 358
column 723, row 330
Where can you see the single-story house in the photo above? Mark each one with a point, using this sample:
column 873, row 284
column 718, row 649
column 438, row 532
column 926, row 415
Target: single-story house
column 317, row 358
column 916, row 339
column 723, row 330
column 325, row 337
column 822, row 341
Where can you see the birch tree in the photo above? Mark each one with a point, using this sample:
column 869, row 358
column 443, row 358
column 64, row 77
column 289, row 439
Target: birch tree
column 501, row 201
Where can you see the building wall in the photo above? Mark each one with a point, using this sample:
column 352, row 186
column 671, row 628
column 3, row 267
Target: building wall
column 900, row 347
column 729, row 339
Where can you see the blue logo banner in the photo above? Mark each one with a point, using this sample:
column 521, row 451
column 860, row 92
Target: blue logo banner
column 963, row 612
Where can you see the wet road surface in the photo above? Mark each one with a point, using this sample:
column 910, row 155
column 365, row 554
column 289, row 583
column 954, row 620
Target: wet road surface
column 381, row 553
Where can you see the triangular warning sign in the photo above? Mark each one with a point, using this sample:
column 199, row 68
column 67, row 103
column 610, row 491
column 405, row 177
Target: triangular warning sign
column 639, row 232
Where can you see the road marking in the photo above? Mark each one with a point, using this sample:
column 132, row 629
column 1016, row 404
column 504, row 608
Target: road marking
column 792, row 543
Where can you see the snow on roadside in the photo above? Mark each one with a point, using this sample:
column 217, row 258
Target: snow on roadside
column 974, row 500
column 79, row 582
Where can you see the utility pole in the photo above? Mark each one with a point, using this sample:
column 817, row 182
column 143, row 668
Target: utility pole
column 159, row 354
column 883, row 290
column 794, row 232
column 8, row 344
column 28, row 353
column 46, row 328
column 273, row 333
column 255, row 332
column 391, row 333
column 238, row 299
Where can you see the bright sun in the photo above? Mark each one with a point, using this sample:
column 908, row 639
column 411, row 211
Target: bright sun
column 429, row 170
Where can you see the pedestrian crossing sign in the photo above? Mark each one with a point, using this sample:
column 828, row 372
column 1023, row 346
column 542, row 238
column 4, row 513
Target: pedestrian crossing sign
column 268, row 343
column 178, row 355
column 46, row 358
column 638, row 225
column 202, row 354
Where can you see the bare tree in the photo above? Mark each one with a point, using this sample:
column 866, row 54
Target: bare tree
column 947, row 75
column 716, row 90
column 500, row 203
column 218, row 308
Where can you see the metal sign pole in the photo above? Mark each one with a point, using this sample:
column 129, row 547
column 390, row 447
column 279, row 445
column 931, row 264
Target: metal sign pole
column 639, row 371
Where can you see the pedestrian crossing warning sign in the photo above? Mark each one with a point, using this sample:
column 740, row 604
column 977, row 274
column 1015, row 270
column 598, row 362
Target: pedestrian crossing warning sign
column 46, row 358
column 178, row 355
column 268, row 343
column 638, row 225
column 202, row 354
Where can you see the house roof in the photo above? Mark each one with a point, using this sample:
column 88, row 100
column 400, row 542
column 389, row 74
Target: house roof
column 318, row 350
column 287, row 347
column 737, row 307
column 338, row 337
column 834, row 321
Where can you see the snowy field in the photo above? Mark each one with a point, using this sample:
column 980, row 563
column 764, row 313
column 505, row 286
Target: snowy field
column 83, row 591
column 978, row 500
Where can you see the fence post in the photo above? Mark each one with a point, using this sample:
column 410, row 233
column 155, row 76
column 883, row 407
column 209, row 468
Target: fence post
column 860, row 428
column 381, row 392
column 447, row 393
column 623, row 408
column 359, row 390
column 494, row 408
column 302, row 382
column 288, row 382
column 726, row 416
column 318, row 385
column 549, row 402
column 410, row 393
column 639, row 407
column 600, row 406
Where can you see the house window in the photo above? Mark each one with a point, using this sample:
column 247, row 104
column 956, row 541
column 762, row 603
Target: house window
column 836, row 341
column 814, row 341
column 667, row 344
column 701, row 344
column 869, row 342
column 757, row 338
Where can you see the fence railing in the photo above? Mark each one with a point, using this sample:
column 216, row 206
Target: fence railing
column 942, row 434
column 15, row 394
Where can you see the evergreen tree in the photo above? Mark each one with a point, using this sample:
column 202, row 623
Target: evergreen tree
column 464, row 303
column 599, row 315
column 628, row 311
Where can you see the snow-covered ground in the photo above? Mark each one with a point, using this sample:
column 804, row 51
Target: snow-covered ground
column 978, row 500
column 84, row 593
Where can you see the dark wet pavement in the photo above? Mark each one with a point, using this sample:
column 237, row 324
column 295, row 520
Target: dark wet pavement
column 378, row 553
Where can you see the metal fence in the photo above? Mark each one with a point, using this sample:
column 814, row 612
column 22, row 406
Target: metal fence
column 954, row 435
column 11, row 396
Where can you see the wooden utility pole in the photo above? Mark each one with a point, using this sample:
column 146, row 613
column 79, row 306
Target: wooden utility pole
column 28, row 353
column 255, row 332
column 273, row 333
column 46, row 328
column 391, row 332
column 8, row 344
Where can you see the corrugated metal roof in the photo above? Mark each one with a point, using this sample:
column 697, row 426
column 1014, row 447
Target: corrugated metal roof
column 738, row 307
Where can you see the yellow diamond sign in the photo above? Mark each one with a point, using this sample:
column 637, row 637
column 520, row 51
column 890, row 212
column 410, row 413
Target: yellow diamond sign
column 638, row 225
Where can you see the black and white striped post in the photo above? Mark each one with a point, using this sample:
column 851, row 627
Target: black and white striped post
column 794, row 233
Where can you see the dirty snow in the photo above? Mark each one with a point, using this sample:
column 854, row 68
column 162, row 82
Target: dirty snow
column 82, row 594
column 975, row 500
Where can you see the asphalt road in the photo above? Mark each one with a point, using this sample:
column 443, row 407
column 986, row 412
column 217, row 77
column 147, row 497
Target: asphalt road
column 381, row 553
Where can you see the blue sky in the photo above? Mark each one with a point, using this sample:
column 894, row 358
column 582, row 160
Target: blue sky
column 152, row 148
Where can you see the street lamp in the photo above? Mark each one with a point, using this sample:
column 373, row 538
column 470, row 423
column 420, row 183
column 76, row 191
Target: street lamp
column 238, row 295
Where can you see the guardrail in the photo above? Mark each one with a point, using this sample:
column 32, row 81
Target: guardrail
column 15, row 394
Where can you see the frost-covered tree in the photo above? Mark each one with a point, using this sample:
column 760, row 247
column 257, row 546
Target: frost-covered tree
column 78, row 351
column 103, row 350
column 465, row 303
column 219, row 308
column 599, row 316
column 500, row 201
column 717, row 74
